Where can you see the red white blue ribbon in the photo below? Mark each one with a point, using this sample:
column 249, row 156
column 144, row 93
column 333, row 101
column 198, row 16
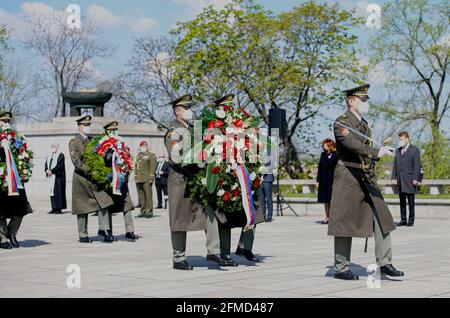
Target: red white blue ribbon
column 13, row 177
column 117, row 176
column 246, row 191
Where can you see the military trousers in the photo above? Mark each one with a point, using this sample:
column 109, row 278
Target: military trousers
column 343, row 247
column 128, row 219
column 104, row 222
column 245, row 240
column 211, row 233
column 145, row 194
column 9, row 229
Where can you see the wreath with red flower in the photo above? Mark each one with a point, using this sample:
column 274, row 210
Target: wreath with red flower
column 217, row 183
column 96, row 151
column 22, row 156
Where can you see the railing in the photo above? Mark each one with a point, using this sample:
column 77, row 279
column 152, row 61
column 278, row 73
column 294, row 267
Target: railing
column 309, row 186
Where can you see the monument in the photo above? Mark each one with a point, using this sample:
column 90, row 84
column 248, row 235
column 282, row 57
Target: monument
column 60, row 130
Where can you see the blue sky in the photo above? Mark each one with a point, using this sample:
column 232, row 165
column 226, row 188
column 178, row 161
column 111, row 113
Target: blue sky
column 124, row 21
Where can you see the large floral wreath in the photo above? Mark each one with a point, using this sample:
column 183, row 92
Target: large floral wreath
column 20, row 168
column 108, row 148
column 228, row 180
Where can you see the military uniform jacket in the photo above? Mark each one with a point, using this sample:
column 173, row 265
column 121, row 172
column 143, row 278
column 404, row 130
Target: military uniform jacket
column 145, row 167
column 184, row 214
column 86, row 197
column 356, row 196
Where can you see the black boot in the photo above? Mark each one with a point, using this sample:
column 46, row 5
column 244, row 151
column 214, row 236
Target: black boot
column 390, row 270
column 131, row 236
column 13, row 240
column 85, row 240
column 5, row 246
column 348, row 275
column 183, row 266
column 247, row 254
column 228, row 261
column 107, row 237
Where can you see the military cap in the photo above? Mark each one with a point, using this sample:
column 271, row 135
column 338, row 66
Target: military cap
column 86, row 120
column 5, row 116
column 360, row 91
column 111, row 125
column 227, row 99
column 184, row 101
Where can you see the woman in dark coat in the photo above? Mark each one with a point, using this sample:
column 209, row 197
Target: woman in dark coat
column 55, row 170
column 327, row 163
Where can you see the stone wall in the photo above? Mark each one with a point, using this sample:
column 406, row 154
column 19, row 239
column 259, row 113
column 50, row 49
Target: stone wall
column 40, row 136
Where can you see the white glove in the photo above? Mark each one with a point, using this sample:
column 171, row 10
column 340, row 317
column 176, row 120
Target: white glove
column 386, row 151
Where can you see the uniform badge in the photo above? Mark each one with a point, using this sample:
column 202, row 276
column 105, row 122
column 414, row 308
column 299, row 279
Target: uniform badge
column 345, row 131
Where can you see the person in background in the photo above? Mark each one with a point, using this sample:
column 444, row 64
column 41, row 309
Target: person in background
column 162, row 173
column 265, row 192
column 406, row 174
column 144, row 176
column 325, row 175
column 55, row 170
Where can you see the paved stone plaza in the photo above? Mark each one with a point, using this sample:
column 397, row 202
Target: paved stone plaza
column 296, row 259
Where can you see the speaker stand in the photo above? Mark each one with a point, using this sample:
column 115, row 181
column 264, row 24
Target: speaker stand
column 281, row 202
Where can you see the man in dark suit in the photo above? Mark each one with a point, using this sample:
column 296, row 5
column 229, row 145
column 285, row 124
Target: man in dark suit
column 406, row 175
column 162, row 173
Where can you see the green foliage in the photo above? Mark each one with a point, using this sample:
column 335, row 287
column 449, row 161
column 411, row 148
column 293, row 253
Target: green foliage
column 211, row 178
column 98, row 171
column 436, row 159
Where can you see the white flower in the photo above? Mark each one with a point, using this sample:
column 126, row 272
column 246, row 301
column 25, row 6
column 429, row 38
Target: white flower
column 240, row 144
column 228, row 169
column 201, row 165
column 25, row 154
column 220, row 193
column 25, row 171
column 234, row 187
column 218, row 149
column 203, row 181
column 253, row 176
column 2, row 171
column 21, row 157
column 221, row 113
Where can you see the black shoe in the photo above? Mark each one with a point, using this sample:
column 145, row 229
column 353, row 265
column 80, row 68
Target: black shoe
column 402, row 223
column 247, row 254
column 183, row 266
column 85, row 240
column 217, row 259
column 5, row 246
column 13, row 241
column 107, row 236
column 410, row 224
column 51, row 212
column 141, row 215
column 57, row 212
column 131, row 236
column 149, row 215
column 390, row 270
column 227, row 261
column 348, row 275
column 159, row 207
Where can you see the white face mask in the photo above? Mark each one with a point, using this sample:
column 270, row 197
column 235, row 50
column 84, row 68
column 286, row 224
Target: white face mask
column 402, row 143
column 86, row 130
column 362, row 107
column 188, row 115
column 143, row 149
column 54, row 150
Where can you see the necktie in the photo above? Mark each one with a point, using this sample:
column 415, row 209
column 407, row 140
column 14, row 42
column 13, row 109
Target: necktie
column 403, row 151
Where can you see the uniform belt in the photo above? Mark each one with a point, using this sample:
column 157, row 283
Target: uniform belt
column 354, row 165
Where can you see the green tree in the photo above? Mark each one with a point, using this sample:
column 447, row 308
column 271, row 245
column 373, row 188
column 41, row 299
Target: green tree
column 295, row 60
column 412, row 46
column 3, row 47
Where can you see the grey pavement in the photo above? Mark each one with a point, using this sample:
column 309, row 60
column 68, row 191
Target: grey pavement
column 296, row 255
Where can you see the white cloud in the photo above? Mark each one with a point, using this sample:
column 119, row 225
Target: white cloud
column 103, row 16
column 196, row 6
column 140, row 23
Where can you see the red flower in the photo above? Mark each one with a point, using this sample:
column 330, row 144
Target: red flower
column 235, row 192
column 13, row 134
column 227, row 108
column 215, row 170
column 238, row 123
column 257, row 183
column 227, row 196
column 209, row 138
column 216, row 124
column 220, row 181
column 247, row 143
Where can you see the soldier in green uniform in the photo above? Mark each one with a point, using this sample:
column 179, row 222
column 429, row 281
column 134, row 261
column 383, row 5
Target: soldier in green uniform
column 13, row 207
column 86, row 197
column 144, row 177
column 186, row 215
column 122, row 203
column 358, row 206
